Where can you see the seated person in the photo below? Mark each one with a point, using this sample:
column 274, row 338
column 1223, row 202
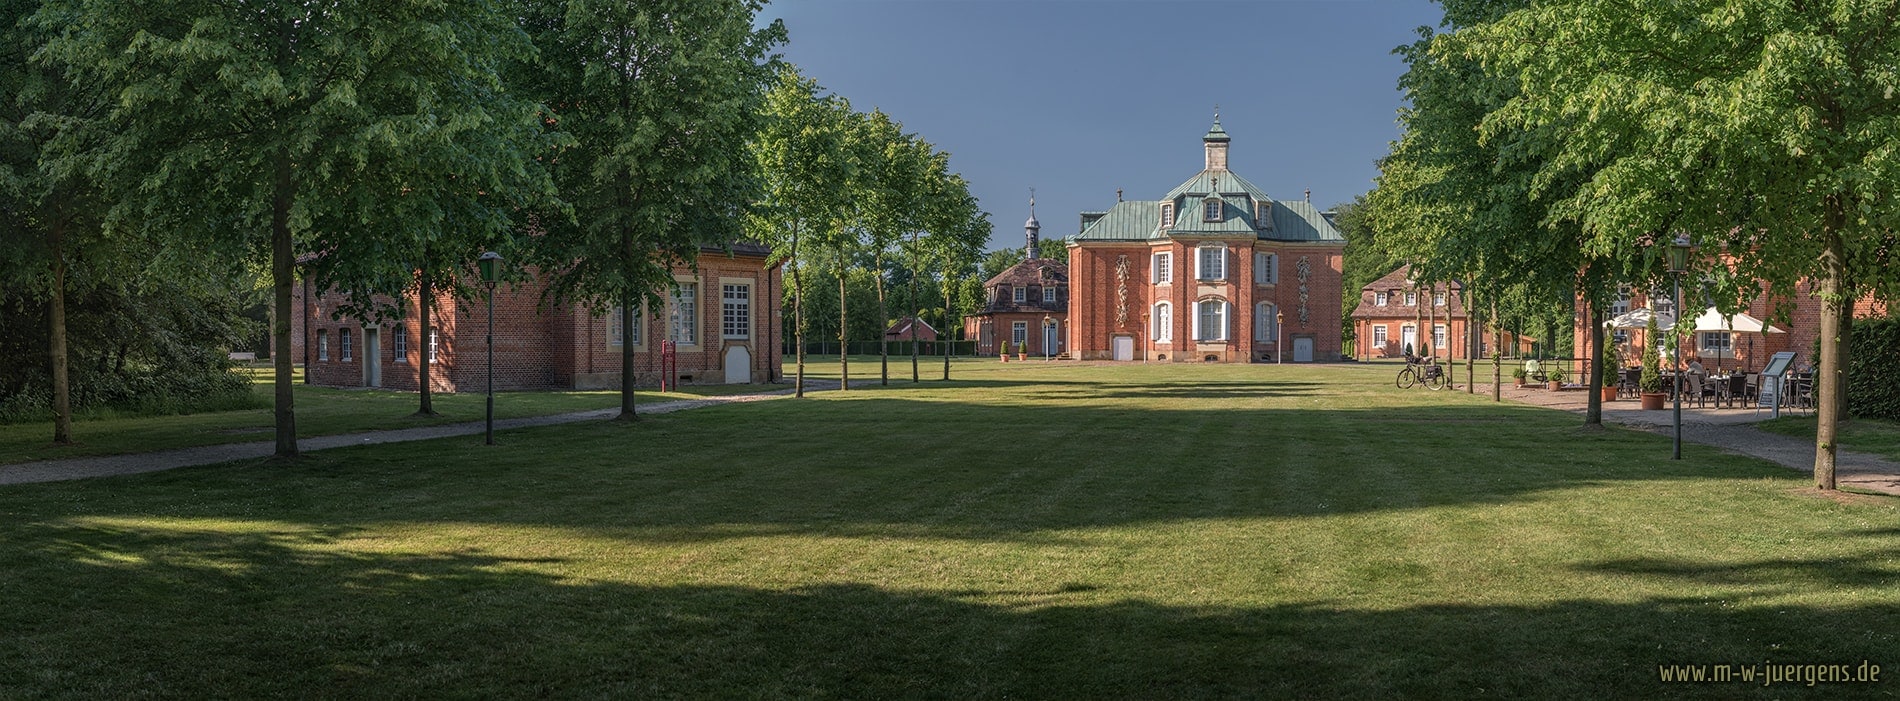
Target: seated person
column 1695, row 366
column 1532, row 367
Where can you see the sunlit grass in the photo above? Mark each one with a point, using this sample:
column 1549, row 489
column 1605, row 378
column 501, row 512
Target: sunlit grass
column 1028, row 530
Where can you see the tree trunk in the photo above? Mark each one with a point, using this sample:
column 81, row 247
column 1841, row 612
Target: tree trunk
column 946, row 320
column 283, row 265
column 1593, row 414
column 914, row 302
column 62, row 389
column 798, row 315
column 1497, row 355
column 627, row 372
column 1829, row 377
column 425, row 306
column 844, row 349
column 883, row 314
column 1473, row 338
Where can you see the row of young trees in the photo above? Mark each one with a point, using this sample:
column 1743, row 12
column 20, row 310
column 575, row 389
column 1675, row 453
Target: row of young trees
column 378, row 147
column 848, row 192
column 1557, row 148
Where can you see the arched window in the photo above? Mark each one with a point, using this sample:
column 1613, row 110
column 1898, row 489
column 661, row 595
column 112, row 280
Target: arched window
column 1210, row 320
column 1264, row 329
column 1167, row 215
column 1164, row 322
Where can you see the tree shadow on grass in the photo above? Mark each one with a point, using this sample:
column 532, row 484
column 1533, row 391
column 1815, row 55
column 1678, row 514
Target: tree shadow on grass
column 108, row 611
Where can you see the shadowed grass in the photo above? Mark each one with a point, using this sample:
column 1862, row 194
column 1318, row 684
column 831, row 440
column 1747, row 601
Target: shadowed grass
column 1029, row 530
column 321, row 411
column 1865, row 435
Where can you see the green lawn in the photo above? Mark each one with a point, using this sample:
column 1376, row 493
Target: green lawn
column 321, row 411
column 1865, row 435
column 1028, row 531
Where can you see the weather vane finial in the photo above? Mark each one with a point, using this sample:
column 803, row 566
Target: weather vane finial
column 1032, row 198
column 1216, row 111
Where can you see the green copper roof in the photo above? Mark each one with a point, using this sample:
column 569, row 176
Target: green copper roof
column 1134, row 220
column 1140, row 220
column 1230, row 184
column 1215, row 133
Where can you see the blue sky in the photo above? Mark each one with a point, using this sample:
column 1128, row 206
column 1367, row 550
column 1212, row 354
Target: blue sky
column 1077, row 98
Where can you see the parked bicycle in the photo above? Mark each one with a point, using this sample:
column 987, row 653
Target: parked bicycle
column 1421, row 371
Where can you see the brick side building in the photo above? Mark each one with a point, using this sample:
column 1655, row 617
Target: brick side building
column 1026, row 305
column 724, row 318
column 1389, row 315
column 1215, row 270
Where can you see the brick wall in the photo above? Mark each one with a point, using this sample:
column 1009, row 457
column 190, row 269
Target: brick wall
column 552, row 346
column 1093, row 285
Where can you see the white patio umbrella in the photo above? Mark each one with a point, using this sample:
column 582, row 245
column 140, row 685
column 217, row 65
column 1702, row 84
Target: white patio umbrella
column 1740, row 322
column 1639, row 319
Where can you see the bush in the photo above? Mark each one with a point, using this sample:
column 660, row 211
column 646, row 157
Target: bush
column 1873, row 361
column 1651, row 381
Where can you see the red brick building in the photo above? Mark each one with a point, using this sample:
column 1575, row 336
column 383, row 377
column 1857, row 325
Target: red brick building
column 1026, row 305
column 1215, row 270
column 724, row 319
column 1713, row 349
column 901, row 331
column 1389, row 316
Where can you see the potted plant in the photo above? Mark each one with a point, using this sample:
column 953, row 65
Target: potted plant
column 1003, row 351
column 1519, row 375
column 1556, row 380
column 1651, row 383
column 1022, row 351
column 1610, row 371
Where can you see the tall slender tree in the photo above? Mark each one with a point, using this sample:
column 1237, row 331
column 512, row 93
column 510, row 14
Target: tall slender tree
column 291, row 107
column 659, row 97
column 801, row 161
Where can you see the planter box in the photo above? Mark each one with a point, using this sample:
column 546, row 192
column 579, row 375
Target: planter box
column 1609, row 394
column 1654, row 400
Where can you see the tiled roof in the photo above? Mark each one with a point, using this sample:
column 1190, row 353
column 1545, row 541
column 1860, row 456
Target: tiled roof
column 1395, row 283
column 1035, row 271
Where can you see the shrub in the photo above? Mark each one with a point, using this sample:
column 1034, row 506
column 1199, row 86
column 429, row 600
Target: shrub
column 1651, row 381
column 1873, row 359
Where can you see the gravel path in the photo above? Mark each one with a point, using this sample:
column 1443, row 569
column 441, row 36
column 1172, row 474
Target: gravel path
column 109, row 465
column 1732, row 430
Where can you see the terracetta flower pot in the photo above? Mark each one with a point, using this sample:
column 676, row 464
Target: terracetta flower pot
column 1654, row 400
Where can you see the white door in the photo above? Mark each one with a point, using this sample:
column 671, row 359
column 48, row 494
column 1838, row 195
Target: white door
column 1049, row 339
column 372, row 358
column 1124, row 347
column 738, row 365
column 1302, row 350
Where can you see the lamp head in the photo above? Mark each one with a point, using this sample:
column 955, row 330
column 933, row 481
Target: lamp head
column 490, row 265
column 1679, row 254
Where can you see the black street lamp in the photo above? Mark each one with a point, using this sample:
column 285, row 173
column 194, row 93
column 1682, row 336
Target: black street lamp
column 490, row 265
column 1678, row 264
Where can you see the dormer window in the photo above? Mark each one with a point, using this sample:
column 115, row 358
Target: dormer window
column 1263, row 214
column 1379, row 299
column 1022, row 294
column 1211, row 209
column 1167, row 215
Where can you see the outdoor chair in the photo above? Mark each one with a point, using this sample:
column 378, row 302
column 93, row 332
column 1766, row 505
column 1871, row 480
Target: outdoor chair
column 1737, row 389
column 1630, row 385
column 1699, row 388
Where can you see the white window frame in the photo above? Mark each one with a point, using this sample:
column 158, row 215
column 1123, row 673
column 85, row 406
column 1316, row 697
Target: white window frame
column 323, row 346
column 1438, row 299
column 1212, row 208
column 1201, row 259
column 683, row 319
column 1164, row 267
column 1408, row 331
column 1380, row 335
column 1441, row 336
column 742, row 321
column 345, row 349
column 1220, row 314
column 1020, row 294
column 1262, row 214
column 435, row 340
column 1266, row 268
column 1704, row 344
column 1049, row 293
column 1167, row 215
column 1411, row 299
column 1380, row 299
column 1163, row 322
column 399, row 343
column 1264, row 320
column 1620, row 305
column 1019, row 335
column 1661, row 301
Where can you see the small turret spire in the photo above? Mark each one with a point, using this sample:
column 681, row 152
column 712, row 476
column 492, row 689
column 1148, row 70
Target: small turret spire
column 1032, row 230
column 1215, row 143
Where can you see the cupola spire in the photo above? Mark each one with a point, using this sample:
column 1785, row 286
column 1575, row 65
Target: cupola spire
column 1032, row 230
column 1215, row 143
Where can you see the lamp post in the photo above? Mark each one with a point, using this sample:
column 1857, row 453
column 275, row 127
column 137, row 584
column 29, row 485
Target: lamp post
column 1678, row 263
column 1279, row 351
column 1048, row 324
column 490, row 265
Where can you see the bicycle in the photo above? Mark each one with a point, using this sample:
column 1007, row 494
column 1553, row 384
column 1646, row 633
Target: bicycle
column 1421, row 371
